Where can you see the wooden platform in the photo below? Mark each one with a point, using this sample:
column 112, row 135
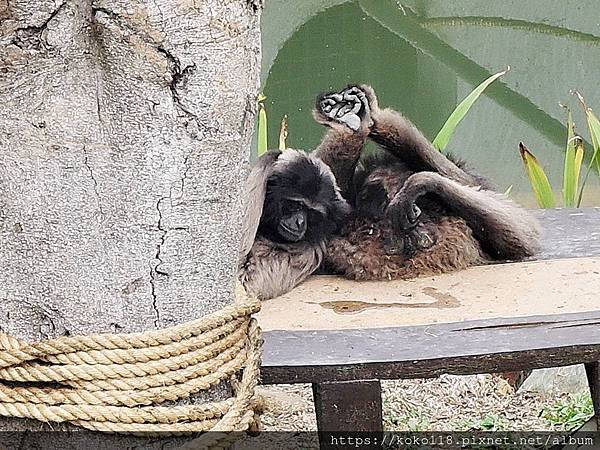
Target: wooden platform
column 344, row 336
column 483, row 346
column 507, row 290
column 564, row 278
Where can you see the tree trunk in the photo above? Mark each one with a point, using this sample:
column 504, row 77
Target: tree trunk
column 124, row 139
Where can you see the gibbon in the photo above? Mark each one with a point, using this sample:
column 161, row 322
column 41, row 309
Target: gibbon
column 415, row 211
column 409, row 212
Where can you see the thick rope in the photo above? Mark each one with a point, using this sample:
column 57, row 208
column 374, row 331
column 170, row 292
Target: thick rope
column 116, row 383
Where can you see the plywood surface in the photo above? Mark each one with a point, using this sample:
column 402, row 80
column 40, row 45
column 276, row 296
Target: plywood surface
column 569, row 233
column 504, row 290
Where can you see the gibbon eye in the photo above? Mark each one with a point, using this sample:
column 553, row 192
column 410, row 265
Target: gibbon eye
column 292, row 207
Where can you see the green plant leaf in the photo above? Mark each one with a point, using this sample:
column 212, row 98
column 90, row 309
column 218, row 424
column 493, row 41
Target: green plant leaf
column 262, row 126
column 283, row 133
column 573, row 161
column 594, row 127
column 579, row 154
column 570, row 413
column 443, row 137
column 538, row 179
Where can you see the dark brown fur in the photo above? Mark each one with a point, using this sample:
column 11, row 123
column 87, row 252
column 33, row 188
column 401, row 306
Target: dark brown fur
column 360, row 252
column 462, row 221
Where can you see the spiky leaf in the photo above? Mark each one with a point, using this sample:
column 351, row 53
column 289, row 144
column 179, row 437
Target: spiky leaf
column 262, row 127
column 443, row 137
column 594, row 127
column 538, row 179
column 573, row 161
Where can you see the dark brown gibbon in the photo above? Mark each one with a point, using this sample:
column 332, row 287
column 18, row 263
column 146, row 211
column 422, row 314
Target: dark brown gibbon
column 415, row 211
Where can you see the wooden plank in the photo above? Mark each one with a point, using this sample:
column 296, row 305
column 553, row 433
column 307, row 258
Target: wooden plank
column 483, row 346
column 348, row 406
column 593, row 375
column 569, row 233
column 517, row 343
column 486, row 292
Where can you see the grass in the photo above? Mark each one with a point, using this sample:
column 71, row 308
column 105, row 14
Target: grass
column 262, row 126
column 412, row 420
column 537, row 176
column 443, row 137
column 490, row 422
column 570, row 413
column 263, row 138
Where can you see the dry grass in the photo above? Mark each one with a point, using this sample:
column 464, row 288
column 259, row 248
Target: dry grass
column 477, row 402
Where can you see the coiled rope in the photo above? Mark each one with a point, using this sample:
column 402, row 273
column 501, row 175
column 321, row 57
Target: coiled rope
column 112, row 382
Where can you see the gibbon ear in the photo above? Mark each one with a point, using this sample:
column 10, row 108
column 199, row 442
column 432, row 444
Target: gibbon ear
column 254, row 193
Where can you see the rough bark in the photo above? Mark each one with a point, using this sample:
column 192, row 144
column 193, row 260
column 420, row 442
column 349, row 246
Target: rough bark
column 124, row 139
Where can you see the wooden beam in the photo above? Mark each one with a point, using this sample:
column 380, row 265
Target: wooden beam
column 593, row 375
column 483, row 346
column 569, row 233
column 343, row 408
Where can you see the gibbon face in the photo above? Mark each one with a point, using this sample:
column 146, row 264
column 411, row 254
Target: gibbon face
column 302, row 202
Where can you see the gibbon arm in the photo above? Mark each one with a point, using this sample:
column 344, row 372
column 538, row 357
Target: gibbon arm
column 504, row 230
column 402, row 138
column 340, row 149
column 268, row 271
column 347, row 115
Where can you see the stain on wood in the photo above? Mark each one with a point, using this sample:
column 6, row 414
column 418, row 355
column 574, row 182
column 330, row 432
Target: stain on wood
column 443, row 300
